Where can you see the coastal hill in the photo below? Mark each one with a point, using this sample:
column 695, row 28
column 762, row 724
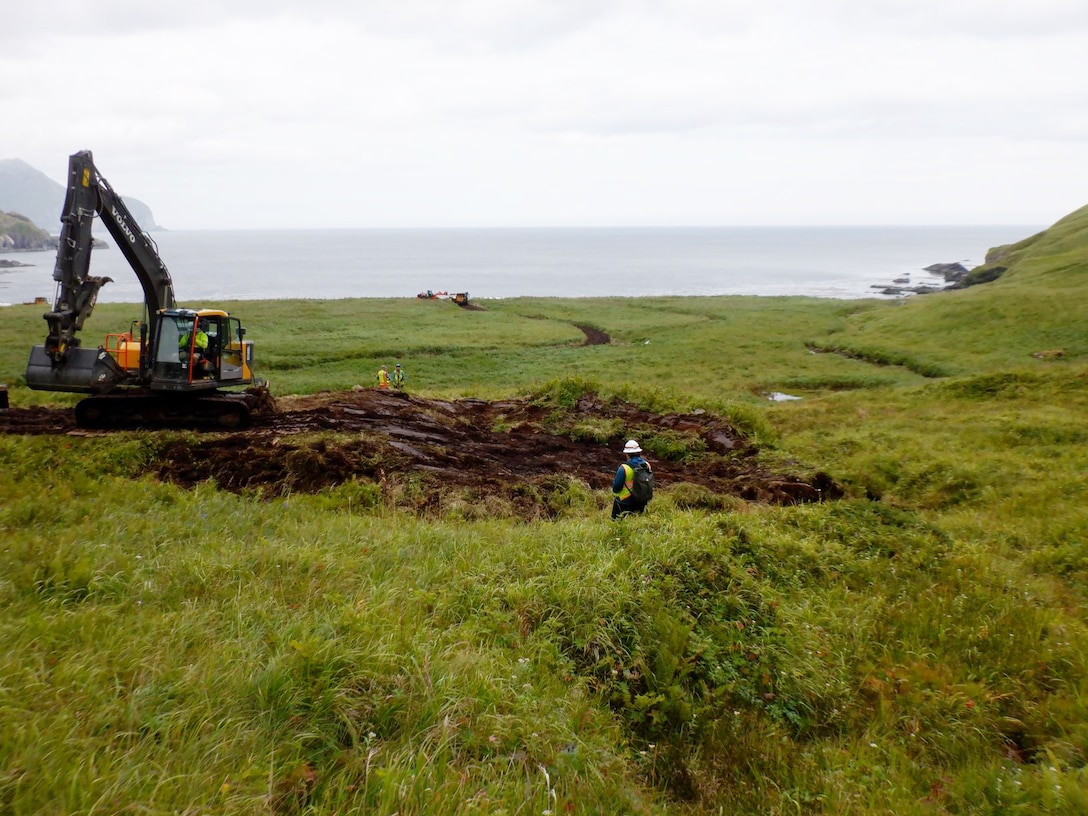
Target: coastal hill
column 29, row 192
column 1046, row 257
column 18, row 232
column 1041, row 280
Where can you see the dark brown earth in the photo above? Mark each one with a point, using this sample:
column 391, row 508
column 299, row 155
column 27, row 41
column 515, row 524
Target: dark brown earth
column 514, row 456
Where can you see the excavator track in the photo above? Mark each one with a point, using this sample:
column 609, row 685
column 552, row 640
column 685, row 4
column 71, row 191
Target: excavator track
column 229, row 411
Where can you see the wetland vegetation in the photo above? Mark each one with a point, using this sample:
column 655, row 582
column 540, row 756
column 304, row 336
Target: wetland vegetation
column 915, row 645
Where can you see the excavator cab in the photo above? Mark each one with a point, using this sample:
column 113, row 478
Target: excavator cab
column 200, row 350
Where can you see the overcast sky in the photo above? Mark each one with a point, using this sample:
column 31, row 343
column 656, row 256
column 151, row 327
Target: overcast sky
column 355, row 113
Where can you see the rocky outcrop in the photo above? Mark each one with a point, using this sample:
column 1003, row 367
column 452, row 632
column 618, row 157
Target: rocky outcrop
column 980, row 274
column 956, row 276
column 923, row 289
column 951, row 272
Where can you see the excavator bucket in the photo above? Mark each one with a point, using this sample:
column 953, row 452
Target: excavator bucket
column 83, row 371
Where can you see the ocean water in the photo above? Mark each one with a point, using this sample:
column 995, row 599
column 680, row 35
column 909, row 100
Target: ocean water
column 829, row 262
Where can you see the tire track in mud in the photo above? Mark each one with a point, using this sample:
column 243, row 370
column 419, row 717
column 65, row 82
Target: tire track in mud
column 594, row 336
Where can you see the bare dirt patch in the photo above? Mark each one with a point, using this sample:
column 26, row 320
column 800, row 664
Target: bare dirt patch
column 594, row 336
column 514, row 455
column 33, row 421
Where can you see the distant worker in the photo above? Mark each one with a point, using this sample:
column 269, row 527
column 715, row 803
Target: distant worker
column 383, row 377
column 398, row 377
column 633, row 486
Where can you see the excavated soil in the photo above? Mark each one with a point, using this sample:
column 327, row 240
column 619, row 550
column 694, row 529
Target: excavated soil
column 510, row 456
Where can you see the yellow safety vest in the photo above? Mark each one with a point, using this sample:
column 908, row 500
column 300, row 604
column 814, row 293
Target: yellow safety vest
column 628, row 482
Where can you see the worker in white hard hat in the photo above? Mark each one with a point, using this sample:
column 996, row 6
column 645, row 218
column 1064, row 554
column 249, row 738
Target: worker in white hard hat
column 633, row 486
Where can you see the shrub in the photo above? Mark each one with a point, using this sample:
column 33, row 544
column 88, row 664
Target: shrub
column 675, row 446
column 991, row 386
column 351, row 496
column 599, row 430
column 565, row 392
column 689, row 496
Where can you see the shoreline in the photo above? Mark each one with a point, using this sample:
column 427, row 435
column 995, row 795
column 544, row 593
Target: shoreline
column 831, row 263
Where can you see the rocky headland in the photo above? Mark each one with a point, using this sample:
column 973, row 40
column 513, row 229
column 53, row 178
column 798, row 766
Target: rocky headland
column 955, row 275
column 17, row 232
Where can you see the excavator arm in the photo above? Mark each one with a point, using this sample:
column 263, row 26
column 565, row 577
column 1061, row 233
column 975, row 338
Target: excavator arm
column 77, row 291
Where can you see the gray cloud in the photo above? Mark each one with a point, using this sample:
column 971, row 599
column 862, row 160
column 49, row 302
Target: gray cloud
column 544, row 102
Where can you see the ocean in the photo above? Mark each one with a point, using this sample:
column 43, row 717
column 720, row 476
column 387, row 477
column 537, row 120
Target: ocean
column 209, row 266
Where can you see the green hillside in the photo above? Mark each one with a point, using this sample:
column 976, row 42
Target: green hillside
column 17, row 232
column 1032, row 308
column 919, row 646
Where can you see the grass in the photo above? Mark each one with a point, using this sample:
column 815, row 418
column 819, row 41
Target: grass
column 917, row 647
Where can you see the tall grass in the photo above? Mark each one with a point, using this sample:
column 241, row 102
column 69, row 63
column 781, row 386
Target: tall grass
column 200, row 648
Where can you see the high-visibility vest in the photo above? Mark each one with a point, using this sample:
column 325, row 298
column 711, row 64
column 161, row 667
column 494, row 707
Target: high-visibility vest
column 201, row 343
column 628, row 482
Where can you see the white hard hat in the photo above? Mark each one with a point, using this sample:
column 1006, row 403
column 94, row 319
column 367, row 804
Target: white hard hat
column 632, row 447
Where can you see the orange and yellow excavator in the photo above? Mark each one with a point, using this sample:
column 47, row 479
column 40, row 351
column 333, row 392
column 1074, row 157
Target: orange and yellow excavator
column 174, row 365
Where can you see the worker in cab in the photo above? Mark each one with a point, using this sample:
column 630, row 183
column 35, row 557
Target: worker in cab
column 398, row 377
column 383, row 377
column 198, row 343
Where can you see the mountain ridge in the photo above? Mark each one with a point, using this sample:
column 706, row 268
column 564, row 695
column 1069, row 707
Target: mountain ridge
column 29, row 192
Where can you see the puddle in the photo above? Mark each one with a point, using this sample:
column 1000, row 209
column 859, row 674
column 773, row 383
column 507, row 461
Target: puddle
column 778, row 396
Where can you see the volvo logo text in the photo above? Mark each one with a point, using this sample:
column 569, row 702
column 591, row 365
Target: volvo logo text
column 124, row 226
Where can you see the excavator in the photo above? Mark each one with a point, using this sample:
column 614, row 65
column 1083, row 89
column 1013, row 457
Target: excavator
column 173, row 366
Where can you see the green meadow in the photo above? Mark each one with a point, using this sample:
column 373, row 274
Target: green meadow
column 919, row 646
